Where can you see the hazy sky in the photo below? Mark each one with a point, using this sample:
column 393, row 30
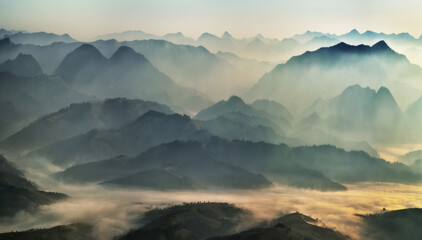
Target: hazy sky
column 84, row 19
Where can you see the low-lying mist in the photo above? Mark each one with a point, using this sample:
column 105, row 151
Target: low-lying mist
column 113, row 212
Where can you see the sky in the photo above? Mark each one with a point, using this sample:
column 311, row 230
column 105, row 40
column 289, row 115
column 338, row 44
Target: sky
column 86, row 19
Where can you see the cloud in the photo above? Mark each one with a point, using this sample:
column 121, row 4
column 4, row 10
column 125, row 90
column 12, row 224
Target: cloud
column 113, row 212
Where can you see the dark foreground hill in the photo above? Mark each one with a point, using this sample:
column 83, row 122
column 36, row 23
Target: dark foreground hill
column 400, row 224
column 210, row 220
column 17, row 193
column 76, row 231
column 294, row 226
column 190, row 221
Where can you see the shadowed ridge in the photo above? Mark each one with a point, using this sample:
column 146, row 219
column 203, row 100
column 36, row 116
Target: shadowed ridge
column 125, row 54
column 6, row 42
column 381, row 46
column 82, row 57
column 24, row 65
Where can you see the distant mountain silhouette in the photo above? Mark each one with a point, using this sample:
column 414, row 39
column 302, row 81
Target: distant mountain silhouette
column 86, row 60
column 273, row 108
column 321, row 41
column 413, row 118
column 190, row 66
column 274, row 113
column 308, row 36
column 4, row 32
column 355, row 37
column 309, row 132
column 359, row 111
column 257, row 47
column 77, row 119
column 49, row 57
column 17, row 193
column 126, row 74
column 411, row 157
column 39, row 38
column 22, row 65
column 193, row 67
column 128, row 36
column 327, row 71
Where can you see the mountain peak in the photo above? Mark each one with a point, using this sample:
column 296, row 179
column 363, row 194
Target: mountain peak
column 22, row 65
column 370, row 33
column 207, row 35
column 226, row 35
column 152, row 114
column 24, row 57
column 383, row 91
column 342, row 46
column 381, row 46
column 176, row 34
column 180, row 34
column 125, row 53
column 357, row 90
column 354, row 32
column 77, row 59
column 235, row 100
column 87, row 48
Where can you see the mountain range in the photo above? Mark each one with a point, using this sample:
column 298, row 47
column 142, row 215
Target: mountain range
column 269, row 121
column 360, row 113
column 176, row 162
column 36, row 38
column 125, row 74
column 77, row 119
column 327, row 71
column 192, row 66
column 274, row 50
column 150, row 129
column 317, row 167
column 23, row 65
